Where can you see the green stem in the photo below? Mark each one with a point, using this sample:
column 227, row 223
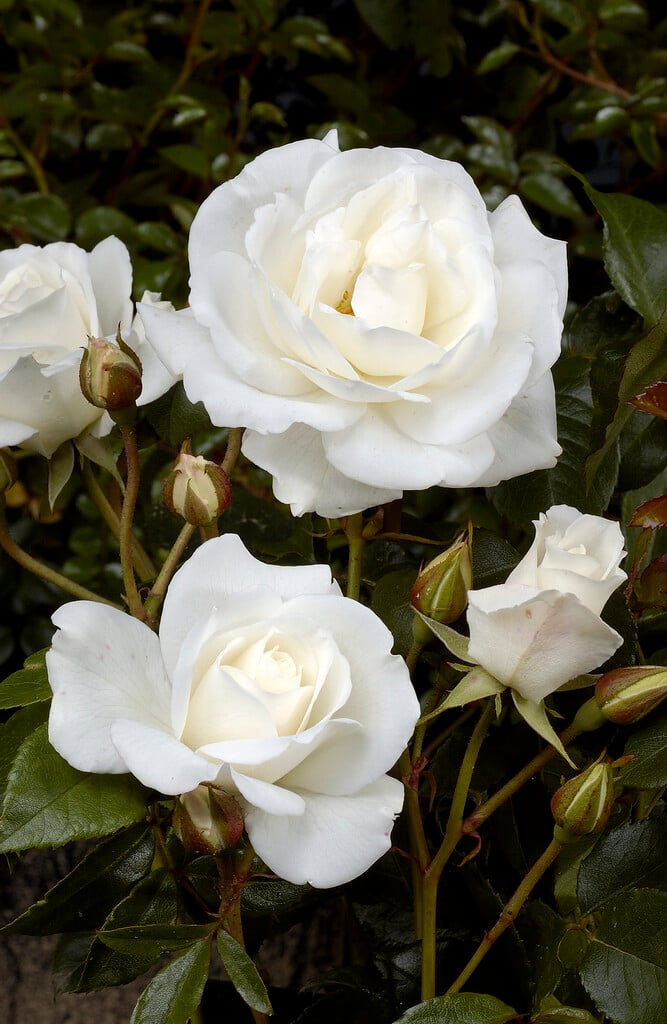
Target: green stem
column 353, row 531
column 44, row 572
column 232, row 912
column 126, row 535
column 142, row 563
column 159, row 588
column 485, row 810
column 28, row 156
column 233, row 449
column 508, row 913
column 452, row 835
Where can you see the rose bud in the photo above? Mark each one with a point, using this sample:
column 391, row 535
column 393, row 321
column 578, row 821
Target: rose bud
column 582, row 806
column 208, row 820
column 8, row 470
column 197, row 490
column 441, row 588
column 625, row 695
column 110, row 374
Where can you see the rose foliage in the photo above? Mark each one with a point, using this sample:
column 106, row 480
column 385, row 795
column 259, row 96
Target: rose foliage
column 333, row 424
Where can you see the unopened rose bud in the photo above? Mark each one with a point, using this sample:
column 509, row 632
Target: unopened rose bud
column 197, row 490
column 441, row 588
column 627, row 694
column 582, row 806
column 208, row 820
column 110, row 374
column 8, row 470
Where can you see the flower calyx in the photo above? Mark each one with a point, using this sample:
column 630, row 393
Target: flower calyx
column 197, row 490
column 208, row 820
column 582, row 806
column 8, row 471
column 110, row 374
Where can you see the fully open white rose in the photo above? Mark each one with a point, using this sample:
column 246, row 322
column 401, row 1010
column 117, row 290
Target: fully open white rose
column 374, row 326
column 51, row 299
column 263, row 679
column 576, row 554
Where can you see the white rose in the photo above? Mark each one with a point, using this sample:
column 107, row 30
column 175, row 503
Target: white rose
column 576, row 554
column 263, row 679
column 374, row 326
column 536, row 640
column 51, row 299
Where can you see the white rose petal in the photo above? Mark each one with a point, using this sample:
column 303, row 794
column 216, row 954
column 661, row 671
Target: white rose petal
column 366, row 306
column 264, row 680
column 576, row 554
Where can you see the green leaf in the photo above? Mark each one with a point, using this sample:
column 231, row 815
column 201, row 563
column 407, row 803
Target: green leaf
column 635, row 255
column 84, row 898
column 61, row 465
column 27, row 686
column 14, row 733
column 629, row 857
column 459, row 1008
column 387, row 18
column 624, row 967
column 152, row 940
column 187, row 158
column 49, row 803
column 391, row 602
column 243, row 974
column 95, row 225
column 552, row 194
column 44, row 218
column 453, row 641
column 275, row 896
column 497, row 57
column 175, row 993
column 649, row 747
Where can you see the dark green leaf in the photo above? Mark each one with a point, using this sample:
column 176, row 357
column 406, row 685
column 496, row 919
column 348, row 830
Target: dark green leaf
column 27, row 686
column 629, row 857
column 634, row 250
column 187, row 158
column 45, row 218
column 387, row 18
column 13, row 734
column 49, row 803
column 152, row 940
column 95, row 225
column 175, row 993
column 84, row 898
column 551, row 194
column 459, row 1008
column 624, row 968
column 492, row 559
column 648, row 745
column 275, row 896
column 391, row 602
column 243, row 974
column 497, row 58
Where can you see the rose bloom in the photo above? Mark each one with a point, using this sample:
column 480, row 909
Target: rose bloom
column 542, row 627
column 264, row 680
column 51, row 299
column 372, row 324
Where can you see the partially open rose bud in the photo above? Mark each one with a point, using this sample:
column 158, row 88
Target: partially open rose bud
column 581, row 807
column 208, row 820
column 627, row 694
column 197, row 490
column 441, row 588
column 110, row 374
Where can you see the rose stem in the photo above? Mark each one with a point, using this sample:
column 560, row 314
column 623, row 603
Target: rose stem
column 44, row 572
column 353, row 527
column 232, row 910
column 142, row 562
column 233, row 451
column 126, row 536
column 485, row 810
column 159, row 588
column 451, row 838
column 508, row 913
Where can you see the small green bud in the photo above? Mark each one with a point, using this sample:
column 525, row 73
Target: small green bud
column 582, row 806
column 208, row 820
column 110, row 374
column 8, row 470
column 625, row 695
column 441, row 588
column 197, row 490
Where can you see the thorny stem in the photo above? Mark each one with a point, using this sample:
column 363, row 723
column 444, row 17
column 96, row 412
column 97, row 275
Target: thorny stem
column 451, row 838
column 44, row 572
column 234, row 876
column 508, row 913
column 126, row 536
column 140, row 559
column 485, row 810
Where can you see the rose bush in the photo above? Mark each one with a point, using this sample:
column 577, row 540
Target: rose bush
column 51, row 299
column 371, row 323
column 263, row 679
